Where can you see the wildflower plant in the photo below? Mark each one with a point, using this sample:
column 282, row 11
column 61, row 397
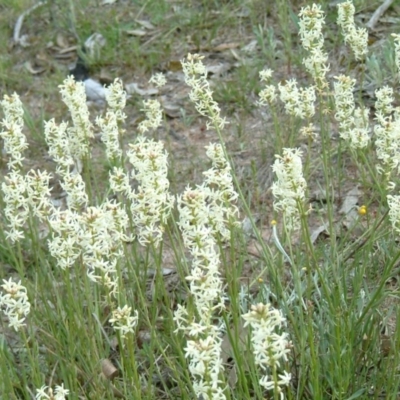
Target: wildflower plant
column 289, row 189
column 14, row 303
column 47, row 393
column 167, row 285
column 311, row 22
column 353, row 122
column 270, row 346
column 357, row 38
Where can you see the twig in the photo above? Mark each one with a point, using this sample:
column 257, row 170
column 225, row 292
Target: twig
column 18, row 25
column 378, row 13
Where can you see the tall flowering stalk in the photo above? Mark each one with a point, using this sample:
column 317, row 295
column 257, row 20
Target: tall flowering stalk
column 353, row 122
column 387, row 131
column 14, row 303
column 221, row 193
column 311, row 22
column 268, row 94
column 24, row 195
column 151, row 203
column 270, row 347
column 201, row 93
column 14, row 187
column 204, row 345
column 110, row 123
column 204, row 213
column 290, row 187
column 396, row 38
column 81, row 132
column 298, row 102
column 47, row 393
column 357, row 38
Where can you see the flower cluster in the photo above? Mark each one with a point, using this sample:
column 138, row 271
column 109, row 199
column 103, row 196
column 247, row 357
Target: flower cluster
column 153, row 112
column 290, row 186
column 109, row 124
column 268, row 94
column 204, row 346
column 201, row 94
column 96, row 235
column 79, row 135
column 21, row 193
column 353, row 122
column 357, row 38
column 151, row 203
column 387, row 131
column 123, row 321
column 396, row 38
column 204, row 214
column 298, row 102
column 311, row 21
column 15, row 304
column 14, row 140
column 158, row 80
column 269, row 346
column 60, row 148
column 47, row 393
column 221, row 193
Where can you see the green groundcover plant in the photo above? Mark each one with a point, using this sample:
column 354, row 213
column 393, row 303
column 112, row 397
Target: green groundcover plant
column 87, row 313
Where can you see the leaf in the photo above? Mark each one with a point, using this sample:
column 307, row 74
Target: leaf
column 137, row 32
column 146, row 24
column 134, row 88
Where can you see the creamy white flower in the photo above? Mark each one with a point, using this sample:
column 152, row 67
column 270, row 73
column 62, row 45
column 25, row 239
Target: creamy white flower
column 59, row 146
column 353, row 122
column 387, row 131
column 14, row 140
column 16, row 210
column 158, row 79
column 110, row 135
column 311, row 22
column 116, row 99
column 394, row 211
column 46, row 393
column 123, row 321
column 153, row 112
column 290, row 186
column 15, row 304
column 151, row 203
column 196, row 222
column 269, row 345
column 38, row 193
column 396, row 38
column 357, row 38
column 74, row 96
column 298, row 102
column 201, row 94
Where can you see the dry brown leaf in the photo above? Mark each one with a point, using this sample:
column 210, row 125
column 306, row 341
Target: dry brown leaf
column 108, row 369
column 226, row 46
column 171, row 109
column 174, row 66
column 136, row 32
column 61, row 41
column 134, row 88
column 33, row 71
column 146, row 24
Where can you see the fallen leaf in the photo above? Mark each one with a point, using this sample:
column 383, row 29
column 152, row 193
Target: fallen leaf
column 226, row 46
column 137, row 32
column 134, row 88
column 146, row 24
column 29, row 68
column 61, row 41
